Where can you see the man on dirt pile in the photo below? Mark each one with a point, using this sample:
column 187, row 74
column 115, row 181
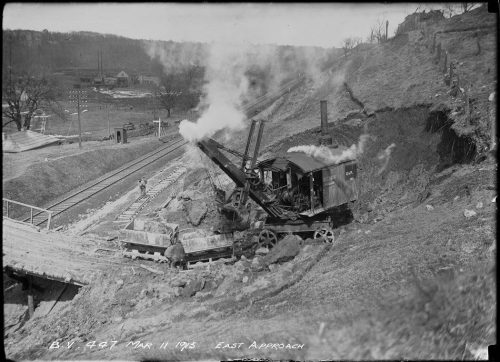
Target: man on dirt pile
column 142, row 186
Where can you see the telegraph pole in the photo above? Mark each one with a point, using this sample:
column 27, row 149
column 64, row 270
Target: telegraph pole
column 79, row 122
column 109, row 128
column 77, row 95
column 10, row 61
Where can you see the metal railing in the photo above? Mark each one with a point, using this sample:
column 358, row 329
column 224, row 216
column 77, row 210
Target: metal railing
column 7, row 202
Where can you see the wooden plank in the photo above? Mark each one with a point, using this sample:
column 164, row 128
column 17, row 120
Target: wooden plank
column 31, row 306
column 51, row 255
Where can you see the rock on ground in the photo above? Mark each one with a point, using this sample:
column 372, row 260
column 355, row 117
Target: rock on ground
column 262, row 251
column 469, row 213
column 171, row 216
column 196, row 211
column 193, row 287
column 156, row 227
column 284, row 250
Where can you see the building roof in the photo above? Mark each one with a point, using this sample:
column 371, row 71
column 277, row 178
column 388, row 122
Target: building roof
column 302, row 161
column 26, row 140
column 122, row 74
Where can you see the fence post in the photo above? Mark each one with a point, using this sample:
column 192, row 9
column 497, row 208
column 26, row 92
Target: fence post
column 31, row 217
column 7, row 208
column 467, row 106
column 48, row 221
column 493, row 123
column 451, row 72
column 438, row 55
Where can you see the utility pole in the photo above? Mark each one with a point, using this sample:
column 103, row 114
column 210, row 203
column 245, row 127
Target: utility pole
column 78, row 96
column 159, row 126
column 10, row 62
column 109, row 127
column 79, row 122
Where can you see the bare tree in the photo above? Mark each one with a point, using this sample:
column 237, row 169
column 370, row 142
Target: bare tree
column 348, row 44
column 378, row 31
column 181, row 89
column 466, row 7
column 371, row 38
column 24, row 96
column 170, row 91
column 450, row 9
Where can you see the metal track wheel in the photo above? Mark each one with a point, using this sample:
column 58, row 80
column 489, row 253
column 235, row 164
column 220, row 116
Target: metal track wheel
column 267, row 239
column 326, row 234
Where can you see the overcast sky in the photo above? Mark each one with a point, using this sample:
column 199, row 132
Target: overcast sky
column 320, row 24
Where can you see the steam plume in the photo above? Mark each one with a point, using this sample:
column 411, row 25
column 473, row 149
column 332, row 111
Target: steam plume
column 326, row 155
column 223, row 94
column 385, row 155
column 229, row 71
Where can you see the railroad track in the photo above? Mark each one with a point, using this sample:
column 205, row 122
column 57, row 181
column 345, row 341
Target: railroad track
column 168, row 177
column 266, row 99
column 90, row 189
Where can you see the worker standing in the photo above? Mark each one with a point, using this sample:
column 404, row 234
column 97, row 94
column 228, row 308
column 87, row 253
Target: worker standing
column 142, row 186
column 176, row 255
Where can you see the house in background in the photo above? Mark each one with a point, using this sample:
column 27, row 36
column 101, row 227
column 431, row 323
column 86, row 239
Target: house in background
column 110, row 81
column 98, row 81
column 86, row 78
column 149, row 80
column 134, row 78
column 122, row 79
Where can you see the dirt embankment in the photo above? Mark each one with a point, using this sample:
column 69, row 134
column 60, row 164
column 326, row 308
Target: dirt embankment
column 58, row 172
column 403, row 73
column 417, row 284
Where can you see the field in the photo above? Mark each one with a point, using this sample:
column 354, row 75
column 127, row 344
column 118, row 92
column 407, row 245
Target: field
column 101, row 113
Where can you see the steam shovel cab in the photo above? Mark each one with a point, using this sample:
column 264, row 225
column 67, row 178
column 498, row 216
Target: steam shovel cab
column 314, row 195
column 308, row 186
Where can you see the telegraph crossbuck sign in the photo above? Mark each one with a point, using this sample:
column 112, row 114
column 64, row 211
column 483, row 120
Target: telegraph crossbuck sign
column 78, row 96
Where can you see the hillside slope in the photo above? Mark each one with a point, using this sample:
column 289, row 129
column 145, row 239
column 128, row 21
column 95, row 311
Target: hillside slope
column 413, row 277
column 402, row 73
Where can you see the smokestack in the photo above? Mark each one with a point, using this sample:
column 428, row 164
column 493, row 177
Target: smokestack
column 326, row 138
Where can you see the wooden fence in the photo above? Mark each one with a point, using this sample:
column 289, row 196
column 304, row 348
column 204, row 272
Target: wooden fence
column 7, row 210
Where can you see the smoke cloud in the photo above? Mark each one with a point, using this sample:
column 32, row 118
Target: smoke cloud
column 193, row 157
column 326, row 155
column 385, row 156
column 226, row 85
column 235, row 75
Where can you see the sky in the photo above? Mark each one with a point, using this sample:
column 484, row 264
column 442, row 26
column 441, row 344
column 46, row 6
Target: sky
column 312, row 24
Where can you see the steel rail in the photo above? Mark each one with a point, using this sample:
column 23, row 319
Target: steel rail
column 88, row 190
column 105, row 181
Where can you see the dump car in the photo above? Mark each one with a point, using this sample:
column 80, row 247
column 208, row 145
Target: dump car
column 148, row 239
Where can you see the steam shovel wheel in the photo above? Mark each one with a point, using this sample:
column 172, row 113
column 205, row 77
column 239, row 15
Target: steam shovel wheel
column 326, row 234
column 267, row 239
